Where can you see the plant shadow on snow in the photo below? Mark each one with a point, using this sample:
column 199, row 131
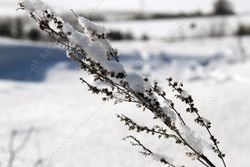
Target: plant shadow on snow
column 30, row 63
column 191, row 67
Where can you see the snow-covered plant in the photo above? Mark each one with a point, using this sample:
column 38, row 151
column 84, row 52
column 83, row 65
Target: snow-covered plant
column 95, row 55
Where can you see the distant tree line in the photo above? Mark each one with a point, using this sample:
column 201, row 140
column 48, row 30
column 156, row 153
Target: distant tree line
column 15, row 28
column 21, row 28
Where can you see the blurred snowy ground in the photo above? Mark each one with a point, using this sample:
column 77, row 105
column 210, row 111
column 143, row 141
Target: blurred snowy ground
column 181, row 28
column 241, row 6
column 75, row 128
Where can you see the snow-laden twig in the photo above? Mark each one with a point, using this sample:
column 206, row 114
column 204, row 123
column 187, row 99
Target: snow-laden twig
column 95, row 55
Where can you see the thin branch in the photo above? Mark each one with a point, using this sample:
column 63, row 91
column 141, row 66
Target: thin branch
column 139, row 144
column 74, row 13
column 14, row 151
column 147, row 152
column 25, row 140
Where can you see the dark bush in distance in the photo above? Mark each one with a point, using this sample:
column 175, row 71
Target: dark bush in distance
column 223, row 7
column 243, row 30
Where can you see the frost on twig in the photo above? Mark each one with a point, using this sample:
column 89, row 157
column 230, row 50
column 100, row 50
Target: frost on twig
column 95, row 55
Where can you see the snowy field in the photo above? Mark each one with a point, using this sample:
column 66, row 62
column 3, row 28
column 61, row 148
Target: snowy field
column 240, row 6
column 182, row 27
column 40, row 87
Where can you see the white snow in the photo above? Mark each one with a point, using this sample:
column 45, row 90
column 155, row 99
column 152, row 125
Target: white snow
column 158, row 157
column 198, row 143
column 135, row 82
column 94, row 27
column 170, row 113
column 74, row 127
column 95, row 48
column 78, row 128
column 113, row 67
column 78, row 38
column 36, row 6
column 185, row 94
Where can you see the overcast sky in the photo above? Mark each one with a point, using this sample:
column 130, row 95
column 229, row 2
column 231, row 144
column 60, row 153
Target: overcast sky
column 242, row 6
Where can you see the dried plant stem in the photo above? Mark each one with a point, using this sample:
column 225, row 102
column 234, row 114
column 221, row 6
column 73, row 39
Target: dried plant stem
column 201, row 121
column 14, row 151
column 117, row 82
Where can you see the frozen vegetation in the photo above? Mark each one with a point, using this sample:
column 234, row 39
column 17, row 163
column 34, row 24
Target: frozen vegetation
column 74, row 127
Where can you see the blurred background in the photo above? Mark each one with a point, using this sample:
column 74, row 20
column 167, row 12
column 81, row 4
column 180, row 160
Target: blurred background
column 204, row 43
column 223, row 18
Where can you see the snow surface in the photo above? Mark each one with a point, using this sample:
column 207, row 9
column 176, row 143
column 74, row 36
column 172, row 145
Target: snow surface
column 75, row 128
column 182, row 27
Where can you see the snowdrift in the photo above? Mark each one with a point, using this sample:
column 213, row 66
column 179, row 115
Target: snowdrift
column 30, row 62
